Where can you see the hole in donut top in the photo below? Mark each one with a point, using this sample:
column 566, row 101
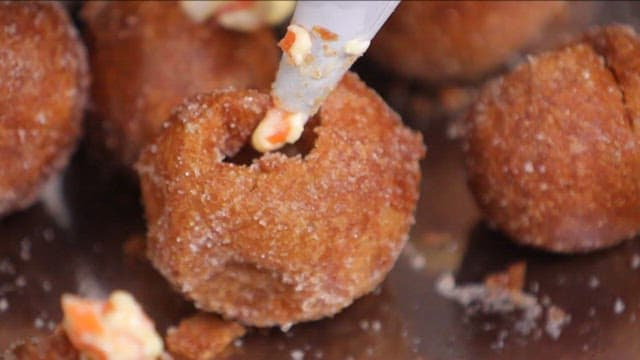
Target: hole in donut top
column 247, row 154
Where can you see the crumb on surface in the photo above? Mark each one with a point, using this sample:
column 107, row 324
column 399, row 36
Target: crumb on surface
column 556, row 320
column 501, row 292
column 202, row 336
column 618, row 306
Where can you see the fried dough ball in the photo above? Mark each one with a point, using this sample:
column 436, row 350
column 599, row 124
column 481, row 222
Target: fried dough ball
column 552, row 148
column 146, row 57
column 284, row 239
column 44, row 75
column 437, row 41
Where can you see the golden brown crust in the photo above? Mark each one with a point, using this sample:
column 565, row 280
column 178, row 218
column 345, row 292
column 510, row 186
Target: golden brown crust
column 459, row 40
column 52, row 347
column 202, row 337
column 284, row 239
column 44, row 74
column 147, row 56
column 552, row 151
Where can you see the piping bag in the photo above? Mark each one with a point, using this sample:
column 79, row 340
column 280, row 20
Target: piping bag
column 322, row 42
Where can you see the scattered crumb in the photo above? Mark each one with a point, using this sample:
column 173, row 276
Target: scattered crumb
column 21, row 281
column 297, row 354
column 46, row 285
column 416, row 259
column 25, row 249
column 594, row 282
column 39, row 323
column 376, row 325
column 512, row 279
column 7, row 267
column 556, row 320
column 545, row 300
column 4, row 304
column 499, row 343
column 135, row 246
column 502, row 293
column 202, row 336
column 418, row 262
column 48, row 234
column 618, row 306
column 635, row 261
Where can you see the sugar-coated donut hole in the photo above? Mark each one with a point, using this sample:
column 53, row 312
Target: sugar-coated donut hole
column 551, row 152
column 289, row 236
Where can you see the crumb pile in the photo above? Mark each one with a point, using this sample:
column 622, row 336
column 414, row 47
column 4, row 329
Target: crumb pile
column 502, row 293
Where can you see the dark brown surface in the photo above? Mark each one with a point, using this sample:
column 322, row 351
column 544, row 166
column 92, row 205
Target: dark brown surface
column 202, row 336
column 415, row 322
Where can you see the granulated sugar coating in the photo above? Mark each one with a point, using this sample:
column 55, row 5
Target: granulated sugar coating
column 43, row 68
column 552, row 148
column 284, row 239
column 147, row 56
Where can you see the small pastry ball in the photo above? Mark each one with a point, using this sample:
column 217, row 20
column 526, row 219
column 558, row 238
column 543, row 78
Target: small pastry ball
column 284, row 239
column 552, row 148
column 44, row 74
column 438, row 41
column 147, row 56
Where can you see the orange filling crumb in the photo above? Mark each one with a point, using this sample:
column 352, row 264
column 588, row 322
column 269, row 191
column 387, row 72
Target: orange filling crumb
column 287, row 41
column 324, row 33
column 113, row 329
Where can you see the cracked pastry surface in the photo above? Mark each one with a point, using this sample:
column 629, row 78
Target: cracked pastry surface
column 552, row 148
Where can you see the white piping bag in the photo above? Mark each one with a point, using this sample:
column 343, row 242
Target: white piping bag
column 324, row 39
